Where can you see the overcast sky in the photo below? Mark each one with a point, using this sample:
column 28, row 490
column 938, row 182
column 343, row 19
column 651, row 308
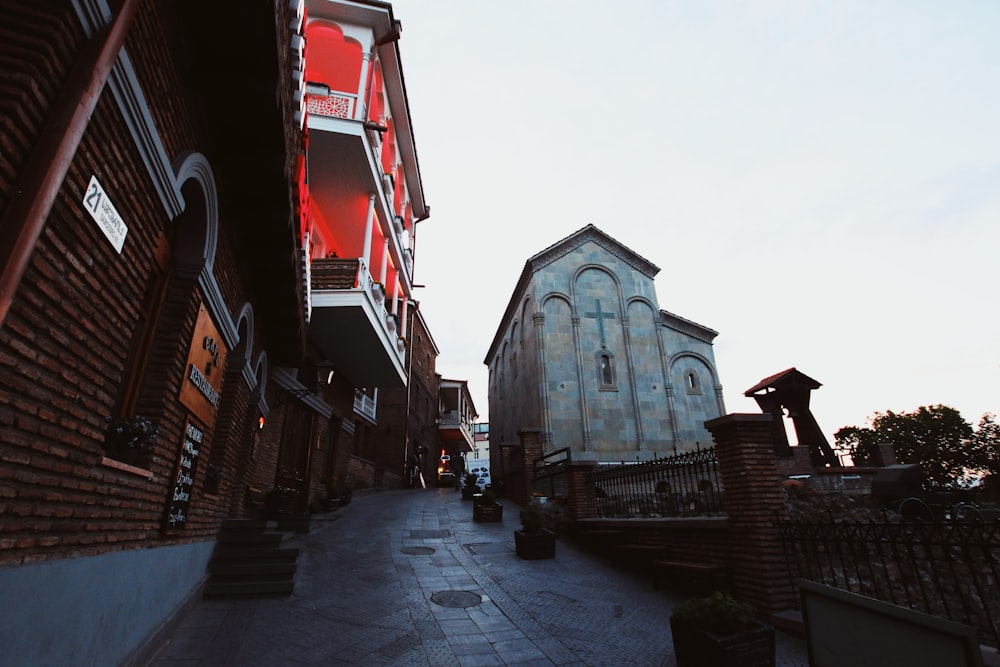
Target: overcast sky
column 819, row 182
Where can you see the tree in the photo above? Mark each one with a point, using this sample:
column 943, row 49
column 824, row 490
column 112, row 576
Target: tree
column 987, row 448
column 936, row 437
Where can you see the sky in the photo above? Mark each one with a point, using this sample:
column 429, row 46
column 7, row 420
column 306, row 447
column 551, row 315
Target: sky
column 819, row 182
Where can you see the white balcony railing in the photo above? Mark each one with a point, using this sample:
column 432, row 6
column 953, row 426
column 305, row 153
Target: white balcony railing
column 364, row 405
column 321, row 101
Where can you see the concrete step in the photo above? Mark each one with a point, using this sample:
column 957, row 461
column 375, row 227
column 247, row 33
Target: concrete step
column 230, row 554
column 217, row 589
column 250, row 538
column 230, row 525
column 258, row 570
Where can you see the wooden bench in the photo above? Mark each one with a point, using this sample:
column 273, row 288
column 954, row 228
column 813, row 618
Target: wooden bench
column 691, row 577
column 598, row 539
column 637, row 556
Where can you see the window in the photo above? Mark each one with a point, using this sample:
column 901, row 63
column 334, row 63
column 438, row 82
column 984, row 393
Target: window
column 691, row 382
column 606, row 371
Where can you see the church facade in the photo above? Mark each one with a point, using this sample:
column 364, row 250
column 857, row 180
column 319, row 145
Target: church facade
column 585, row 355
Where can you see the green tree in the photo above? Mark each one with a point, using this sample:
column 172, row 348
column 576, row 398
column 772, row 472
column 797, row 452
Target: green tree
column 987, row 452
column 936, row 437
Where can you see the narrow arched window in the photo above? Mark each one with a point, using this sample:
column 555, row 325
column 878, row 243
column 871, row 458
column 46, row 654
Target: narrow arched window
column 691, row 382
column 606, row 370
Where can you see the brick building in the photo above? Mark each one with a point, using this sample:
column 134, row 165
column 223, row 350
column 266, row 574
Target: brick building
column 206, row 266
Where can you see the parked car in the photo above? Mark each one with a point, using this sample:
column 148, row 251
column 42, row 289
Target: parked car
column 446, row 478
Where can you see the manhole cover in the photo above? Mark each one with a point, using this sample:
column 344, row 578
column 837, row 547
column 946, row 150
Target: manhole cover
column 417, row 551
column 456, row 598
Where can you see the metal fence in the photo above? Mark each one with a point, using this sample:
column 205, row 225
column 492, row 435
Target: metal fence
column 683, row 485
column 946, row 568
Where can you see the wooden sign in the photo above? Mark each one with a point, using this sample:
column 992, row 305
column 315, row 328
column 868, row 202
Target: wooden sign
column 206, row 364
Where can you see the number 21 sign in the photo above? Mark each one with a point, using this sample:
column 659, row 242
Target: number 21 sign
column 104, row 213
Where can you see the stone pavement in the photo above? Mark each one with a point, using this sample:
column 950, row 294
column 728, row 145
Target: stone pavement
column 407, row 578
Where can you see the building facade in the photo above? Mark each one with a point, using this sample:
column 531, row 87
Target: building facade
column 584, row 354
column 206, row 245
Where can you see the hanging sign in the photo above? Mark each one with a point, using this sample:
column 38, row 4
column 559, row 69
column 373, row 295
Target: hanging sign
column 206, row 363
column 104, row 213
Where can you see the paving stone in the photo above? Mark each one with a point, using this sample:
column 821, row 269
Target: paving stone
column 363, row 596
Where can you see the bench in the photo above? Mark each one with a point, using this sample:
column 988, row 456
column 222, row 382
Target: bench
column 598, row 539
column 691, row 577
column 637, row 555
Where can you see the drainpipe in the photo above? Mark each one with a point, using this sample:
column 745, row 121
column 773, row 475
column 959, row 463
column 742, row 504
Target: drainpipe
column 46, row 168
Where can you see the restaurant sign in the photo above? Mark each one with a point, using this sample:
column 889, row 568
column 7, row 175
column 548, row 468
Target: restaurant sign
column 206, row 363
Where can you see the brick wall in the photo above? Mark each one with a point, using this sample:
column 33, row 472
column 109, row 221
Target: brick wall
column 65, row 344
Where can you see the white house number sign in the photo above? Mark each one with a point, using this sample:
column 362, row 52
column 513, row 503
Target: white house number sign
column 104, row 213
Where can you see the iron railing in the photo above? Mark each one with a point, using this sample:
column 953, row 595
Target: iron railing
column 550, row 473
column 687, row 484
column 946, row 568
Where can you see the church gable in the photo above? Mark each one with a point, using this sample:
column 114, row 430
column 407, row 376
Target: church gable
column 591, row 234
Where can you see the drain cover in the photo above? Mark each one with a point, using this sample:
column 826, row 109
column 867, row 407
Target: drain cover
column 456, row 598
column 417, row 551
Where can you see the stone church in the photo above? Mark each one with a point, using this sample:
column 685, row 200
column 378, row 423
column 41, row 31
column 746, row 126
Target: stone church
column 585, row 355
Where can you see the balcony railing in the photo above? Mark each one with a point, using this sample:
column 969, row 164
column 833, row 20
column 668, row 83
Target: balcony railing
column 334, row 273
column 321, row 101
column 364, row 405
column 352, row 274
column 453, row 418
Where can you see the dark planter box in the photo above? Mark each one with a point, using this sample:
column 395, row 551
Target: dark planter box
column 296, row 521
column 481, row 512
column 695, row 647
column 535, row 547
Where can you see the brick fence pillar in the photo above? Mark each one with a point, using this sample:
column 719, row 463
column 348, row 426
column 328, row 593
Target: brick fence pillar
column 755, row 503
column 531, row 451
column 582, row 499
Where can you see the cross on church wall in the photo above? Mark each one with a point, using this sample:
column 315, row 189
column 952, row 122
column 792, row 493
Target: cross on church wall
column 600, row 316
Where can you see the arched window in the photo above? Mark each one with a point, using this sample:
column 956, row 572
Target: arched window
column 691, row 383
column 606, row 371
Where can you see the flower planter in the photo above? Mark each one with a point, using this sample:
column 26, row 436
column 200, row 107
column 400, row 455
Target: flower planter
column 535, row 546
column 487, row 512
column 294, row 521
column 696, row 647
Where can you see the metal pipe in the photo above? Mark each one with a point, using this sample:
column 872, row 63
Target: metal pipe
column 48, row 163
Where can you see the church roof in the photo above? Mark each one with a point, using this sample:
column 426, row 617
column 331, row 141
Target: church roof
column 590, row 233
column 693, row 329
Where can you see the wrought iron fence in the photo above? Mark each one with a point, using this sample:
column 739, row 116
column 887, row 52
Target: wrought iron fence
column 946, row 568
column 550, row 474
column 687, row 484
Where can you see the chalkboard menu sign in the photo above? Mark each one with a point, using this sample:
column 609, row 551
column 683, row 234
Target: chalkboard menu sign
column 180, row 496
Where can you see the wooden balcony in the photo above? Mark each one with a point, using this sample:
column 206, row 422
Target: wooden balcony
column 351, row 325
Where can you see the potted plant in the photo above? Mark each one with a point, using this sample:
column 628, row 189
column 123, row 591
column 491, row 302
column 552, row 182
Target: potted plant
column 469, row 487
column 534, row 540
column 720, row 631
column 486, row 507
column 129, row 439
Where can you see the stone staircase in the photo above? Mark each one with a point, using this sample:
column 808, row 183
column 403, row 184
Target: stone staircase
column 249, row 561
